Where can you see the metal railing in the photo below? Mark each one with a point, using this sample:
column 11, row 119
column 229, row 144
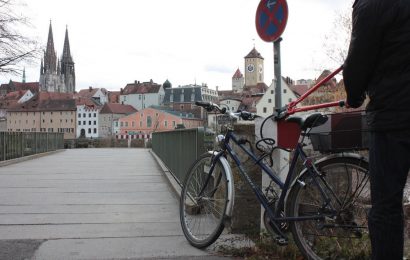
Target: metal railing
column 18, row 144
column 179, row 149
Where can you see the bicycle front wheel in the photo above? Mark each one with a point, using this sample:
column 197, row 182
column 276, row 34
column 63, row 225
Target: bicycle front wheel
column 342, row 233
column 204, row 199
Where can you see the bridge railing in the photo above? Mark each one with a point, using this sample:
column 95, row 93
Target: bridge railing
column 19, row 144
column 179, row 148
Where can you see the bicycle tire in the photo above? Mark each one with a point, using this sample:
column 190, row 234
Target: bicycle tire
column 210, row 207
column 344, row 235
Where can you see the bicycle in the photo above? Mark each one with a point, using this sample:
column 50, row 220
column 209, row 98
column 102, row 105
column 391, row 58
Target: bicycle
column 324, row 206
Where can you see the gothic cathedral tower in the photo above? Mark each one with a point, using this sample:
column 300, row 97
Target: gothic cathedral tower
column 254, row 70
column 56, row 75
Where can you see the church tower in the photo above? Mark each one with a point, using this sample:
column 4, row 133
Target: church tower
column 238, row 81
column 67, row 66
column 56, row 75
column 254, row 70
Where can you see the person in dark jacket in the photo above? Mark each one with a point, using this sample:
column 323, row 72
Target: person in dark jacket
column 378, row 65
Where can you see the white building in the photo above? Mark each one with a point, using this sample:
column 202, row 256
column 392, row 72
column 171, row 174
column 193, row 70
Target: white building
column 87, row 121
column 99, row 95
column 142, row 95
column 266, row 105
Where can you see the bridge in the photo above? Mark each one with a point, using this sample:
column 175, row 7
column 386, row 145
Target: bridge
column 91, row 204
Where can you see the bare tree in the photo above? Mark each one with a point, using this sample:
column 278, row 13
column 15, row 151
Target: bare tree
column 15, row 47
column 336, row 43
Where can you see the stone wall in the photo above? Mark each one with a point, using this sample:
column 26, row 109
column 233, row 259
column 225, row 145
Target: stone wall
column 247, row 210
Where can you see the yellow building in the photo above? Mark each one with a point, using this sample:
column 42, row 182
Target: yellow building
column 45, row 112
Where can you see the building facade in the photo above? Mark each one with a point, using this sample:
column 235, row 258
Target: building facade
column 109, row 115
column 142, row 95
column 57, row 75
column 45, row 112
column 254, row 68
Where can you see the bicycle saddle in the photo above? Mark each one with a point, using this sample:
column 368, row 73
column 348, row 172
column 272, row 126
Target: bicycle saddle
column 308, row 121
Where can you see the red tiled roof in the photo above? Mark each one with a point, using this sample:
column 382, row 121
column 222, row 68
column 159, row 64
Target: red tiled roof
column 299, row 89
column 114, row 108
column 141, row 88
column 47, row 101
column 238, row 74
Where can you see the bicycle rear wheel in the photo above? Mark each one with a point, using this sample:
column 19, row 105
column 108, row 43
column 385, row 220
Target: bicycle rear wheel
column 204, row 199
column 343, row 234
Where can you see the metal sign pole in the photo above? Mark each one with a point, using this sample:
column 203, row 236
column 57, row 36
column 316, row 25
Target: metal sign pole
column 278, row 73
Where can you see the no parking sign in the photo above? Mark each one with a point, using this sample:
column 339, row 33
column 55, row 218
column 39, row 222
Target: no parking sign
column 271, row 19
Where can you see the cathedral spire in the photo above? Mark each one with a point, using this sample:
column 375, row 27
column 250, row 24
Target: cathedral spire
column 50, row 56
column 66, row 49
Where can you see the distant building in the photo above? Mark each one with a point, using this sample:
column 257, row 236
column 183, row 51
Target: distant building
column 254, row 68
column 109, row 115
column 238, row 81
column 13, row 86
column 45, row 112
column 142, row 95
column 87, row 117
column 183, row 98
column 57, row 75
column 143, row 123
column 99, row 95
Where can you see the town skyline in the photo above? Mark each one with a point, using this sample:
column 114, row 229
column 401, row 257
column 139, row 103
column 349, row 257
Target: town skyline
column 180, row 45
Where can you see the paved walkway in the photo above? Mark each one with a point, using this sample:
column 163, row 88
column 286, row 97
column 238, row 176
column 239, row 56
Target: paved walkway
column 90, row 204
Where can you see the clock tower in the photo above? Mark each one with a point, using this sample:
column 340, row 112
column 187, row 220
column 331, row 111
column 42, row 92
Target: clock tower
column 254, row 70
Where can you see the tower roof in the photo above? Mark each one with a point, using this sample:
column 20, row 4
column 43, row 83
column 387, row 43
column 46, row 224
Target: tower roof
column 238, row 74
column 66, row 49
column 254, row 54
column 50, row 54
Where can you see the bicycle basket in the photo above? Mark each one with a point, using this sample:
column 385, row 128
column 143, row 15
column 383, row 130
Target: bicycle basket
column 288, row 134
column 342, row 132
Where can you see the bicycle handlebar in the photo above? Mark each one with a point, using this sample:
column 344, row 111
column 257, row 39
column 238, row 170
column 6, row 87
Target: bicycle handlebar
column 209, row 106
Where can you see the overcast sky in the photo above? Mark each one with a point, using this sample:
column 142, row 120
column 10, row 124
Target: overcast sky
column 185, row 41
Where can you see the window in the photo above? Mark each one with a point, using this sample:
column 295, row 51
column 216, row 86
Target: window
column 166, row 124
column 84, row 115
column 173, row 123
column 126, row 124
column 79, row 122
column 95, row 122
column 140, row 123
column 79, row 115
column 264, row 110
column 149, row 121
column 95, row 130
column 51, row 120
column 116, row 124
column 89, row 114
column 133, row 123
column 84, row 122
column 89, row 130
column 284, row 90
column 270, row 100
column 272, row 91
column 290, row 100
column 122, row 124
column 95, row 114
column 89, row 122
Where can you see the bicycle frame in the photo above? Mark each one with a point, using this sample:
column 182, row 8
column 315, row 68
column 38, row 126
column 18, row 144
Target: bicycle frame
column 284, row 186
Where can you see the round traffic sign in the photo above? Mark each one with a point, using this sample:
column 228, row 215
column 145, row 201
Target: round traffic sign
column 271, row 18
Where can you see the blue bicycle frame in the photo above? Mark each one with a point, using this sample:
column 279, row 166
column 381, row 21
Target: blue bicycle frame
column 284, row 186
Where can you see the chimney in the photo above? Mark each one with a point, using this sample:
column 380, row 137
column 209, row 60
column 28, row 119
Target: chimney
column 136, row 82
column 90, row 88
column 121, row 90
column 217, row 88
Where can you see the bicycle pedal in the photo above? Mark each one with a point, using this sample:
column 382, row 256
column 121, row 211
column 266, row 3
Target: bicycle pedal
column 281, row 241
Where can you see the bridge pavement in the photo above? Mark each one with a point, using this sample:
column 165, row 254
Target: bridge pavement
column 90, row 204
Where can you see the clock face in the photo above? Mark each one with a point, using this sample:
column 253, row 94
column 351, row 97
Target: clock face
column 260, row 68
column 250, row 67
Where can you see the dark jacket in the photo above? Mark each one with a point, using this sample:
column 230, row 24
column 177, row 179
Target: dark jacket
column 378, row 62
